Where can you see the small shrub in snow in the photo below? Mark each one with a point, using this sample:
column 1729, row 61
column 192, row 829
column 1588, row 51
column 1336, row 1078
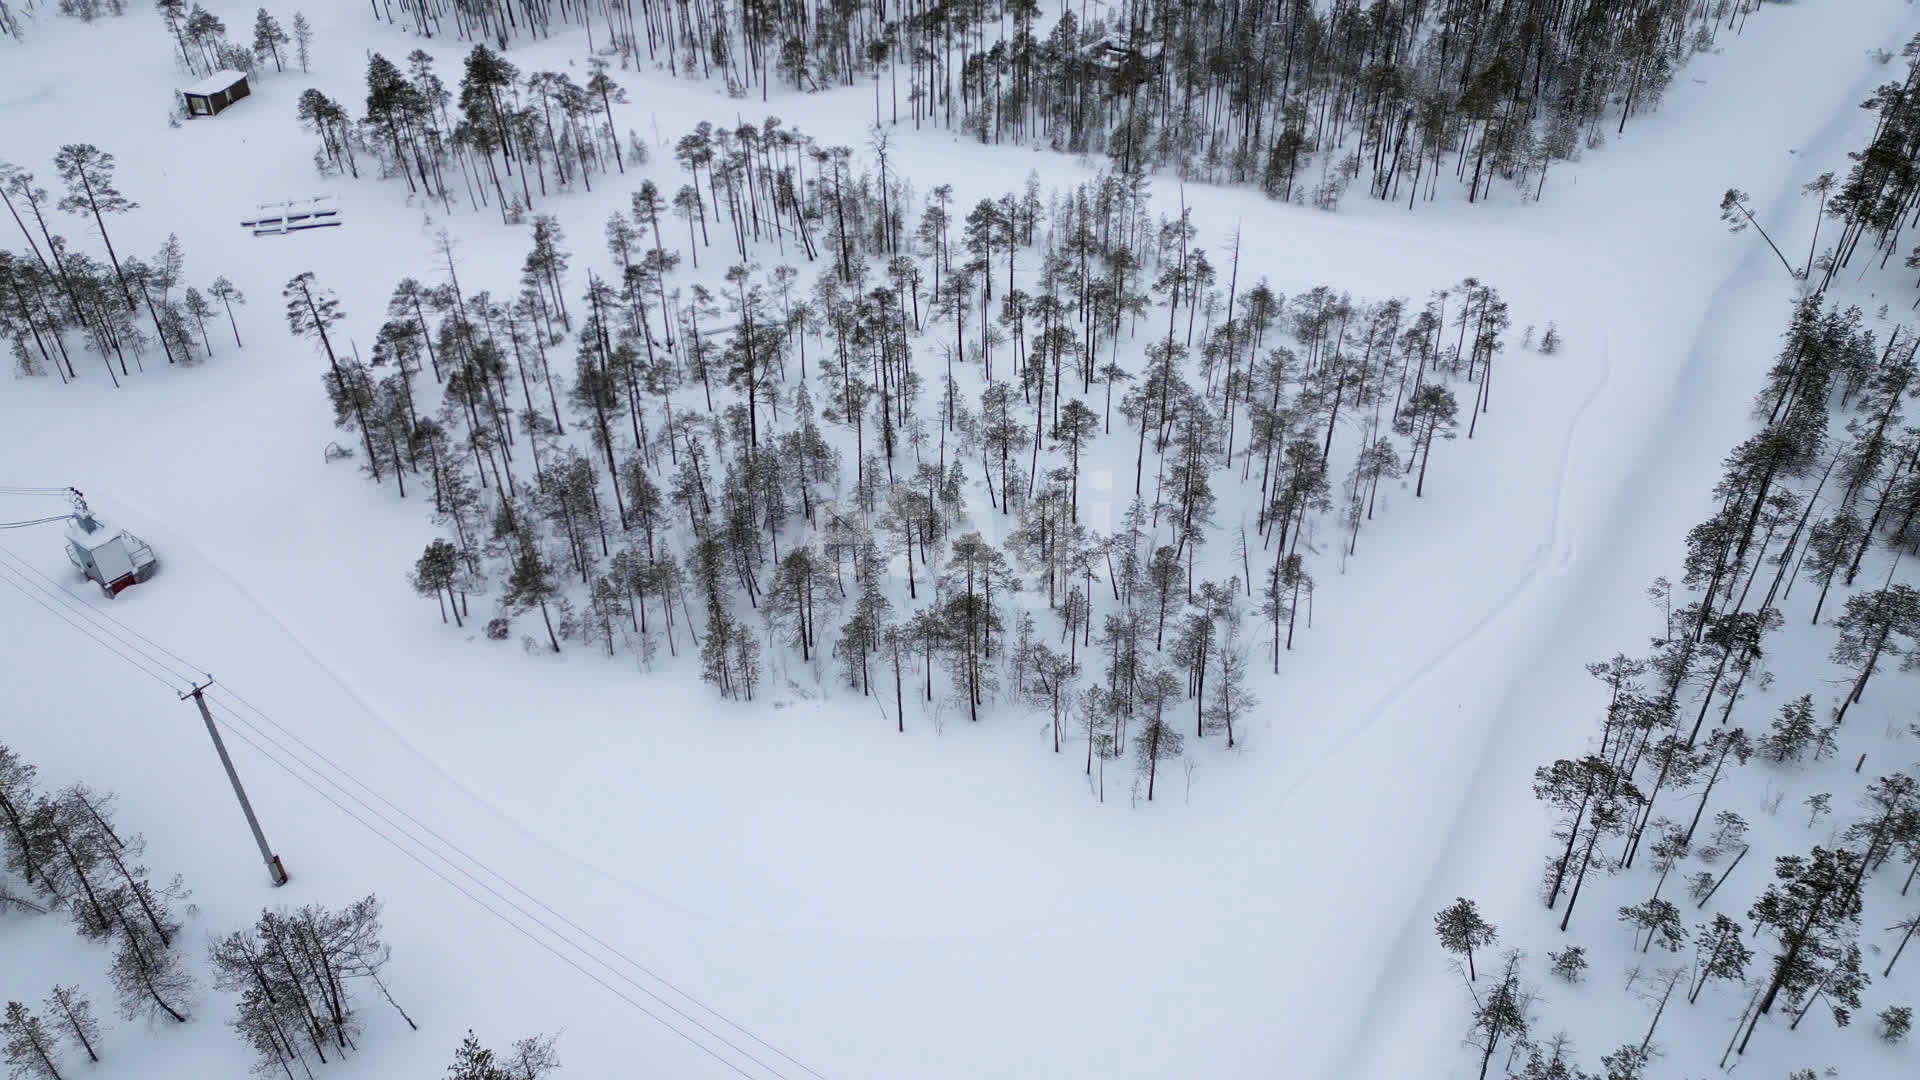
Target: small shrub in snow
column 1824, row 743
column 1569, row 963
column 1627, row 1063
column 498, row 628
column 1818, row 806
column 1550, row 341
column 1895, row 1022
column 1729, row 832
column 1699, row 885
column 1730, row 829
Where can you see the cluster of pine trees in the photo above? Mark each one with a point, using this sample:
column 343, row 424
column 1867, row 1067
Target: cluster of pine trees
column 553, row 132
column 293, row 972
column 531, row 1058
column 1875, row 201
column 204, row 48
column 56, row 301
column 65, row 849
column 1300, row 98
column 201, row 37
column 753, row 450
column 1798, row 501
column 1881, row 189
column 13, row 23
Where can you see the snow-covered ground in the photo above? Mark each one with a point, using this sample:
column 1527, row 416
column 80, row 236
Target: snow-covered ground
column 951, row 903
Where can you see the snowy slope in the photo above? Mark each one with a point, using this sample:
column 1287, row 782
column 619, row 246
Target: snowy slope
column 949, row 905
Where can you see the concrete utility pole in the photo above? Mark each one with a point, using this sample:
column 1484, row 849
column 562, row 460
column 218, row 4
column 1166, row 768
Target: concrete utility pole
column 275, row 872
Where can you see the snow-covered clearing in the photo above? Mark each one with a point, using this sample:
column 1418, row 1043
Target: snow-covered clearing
column 950, row 903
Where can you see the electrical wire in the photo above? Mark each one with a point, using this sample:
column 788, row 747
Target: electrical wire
column 235, row 718
column 98, row 620
column 106, row 631
column 35, row 521
column 107, row 622
column 534, row 900
column 11, row 580
column 8, row 576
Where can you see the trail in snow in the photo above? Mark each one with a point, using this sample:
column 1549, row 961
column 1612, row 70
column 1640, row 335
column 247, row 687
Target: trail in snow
column 1497, row 827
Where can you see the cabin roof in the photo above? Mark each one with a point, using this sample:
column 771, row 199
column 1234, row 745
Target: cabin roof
column 216, row 82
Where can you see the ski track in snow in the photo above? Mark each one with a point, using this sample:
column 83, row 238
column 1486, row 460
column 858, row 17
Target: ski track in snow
column 1554, row 554
column 1500, row 773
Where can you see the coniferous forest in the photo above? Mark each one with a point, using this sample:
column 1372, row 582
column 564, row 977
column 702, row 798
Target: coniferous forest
column 805, row 405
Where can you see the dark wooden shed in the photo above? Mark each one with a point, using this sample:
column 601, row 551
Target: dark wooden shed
column 215, row 92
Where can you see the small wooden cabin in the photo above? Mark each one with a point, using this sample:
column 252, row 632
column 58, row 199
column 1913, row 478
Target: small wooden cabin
column 215, row 92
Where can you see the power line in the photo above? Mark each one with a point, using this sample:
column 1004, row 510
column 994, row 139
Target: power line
column 107, row 622
column 103, row 629
column 96, row 619
column 35, row 521
column 508, row 901
column 536, row 901
column 8, row 577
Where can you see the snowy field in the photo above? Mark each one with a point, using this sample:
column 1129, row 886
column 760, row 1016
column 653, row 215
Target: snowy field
column 954, row 902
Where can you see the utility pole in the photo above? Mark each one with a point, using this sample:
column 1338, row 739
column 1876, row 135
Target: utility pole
column 276, row 872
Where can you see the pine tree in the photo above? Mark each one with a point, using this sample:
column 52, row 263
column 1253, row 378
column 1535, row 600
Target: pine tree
column 532, row 1058
column 73, row 1017
column 974, row 567
column 435, row 573
column 1809, row 908
column 1895, row 1022
column 1872, row 626
column 148, row 977
column 88, row 174
column 302, row 40
column 472, row 1061
column 1461, row 930
column 1053, row 677
column 311, row 312
column 1660, row 919
column 174, row 14
column 1159, row 738
column 1431, row 413
column 20, row 841
column 29, row 1047
column 1719, row 953
column 531, row 585
column 267, row 38
column 1607, row 815
column 1570, row 787
column 1502, row 1014
column 1840, row 987
column 1229, row 697
column 224, row 291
